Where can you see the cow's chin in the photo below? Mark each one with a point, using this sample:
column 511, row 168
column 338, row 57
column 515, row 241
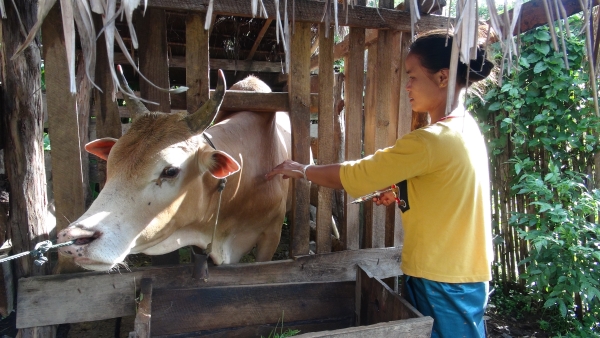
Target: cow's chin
column 90, row 264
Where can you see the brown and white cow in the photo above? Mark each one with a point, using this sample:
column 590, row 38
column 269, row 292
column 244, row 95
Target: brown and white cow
column 161, row 188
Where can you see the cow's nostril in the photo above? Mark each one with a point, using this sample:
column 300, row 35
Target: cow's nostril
column 86, row 240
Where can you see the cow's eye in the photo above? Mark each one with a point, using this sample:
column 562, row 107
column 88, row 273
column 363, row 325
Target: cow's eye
column 170, row 172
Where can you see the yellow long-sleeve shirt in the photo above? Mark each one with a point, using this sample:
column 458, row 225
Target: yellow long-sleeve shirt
column 447, row 230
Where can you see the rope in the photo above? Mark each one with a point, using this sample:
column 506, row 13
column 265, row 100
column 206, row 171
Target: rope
column 220, row 189
column 38, row 252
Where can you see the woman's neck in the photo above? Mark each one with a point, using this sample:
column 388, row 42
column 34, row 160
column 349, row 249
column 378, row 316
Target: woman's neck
column 440, row 113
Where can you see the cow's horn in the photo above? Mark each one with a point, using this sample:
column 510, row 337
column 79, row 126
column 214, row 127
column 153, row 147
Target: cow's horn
column 204, row 116
column 134, row 105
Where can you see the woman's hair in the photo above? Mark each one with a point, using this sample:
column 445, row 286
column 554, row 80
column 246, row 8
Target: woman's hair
column 434, row 49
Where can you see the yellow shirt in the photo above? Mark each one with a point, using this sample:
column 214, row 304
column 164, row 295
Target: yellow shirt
column 447, row 230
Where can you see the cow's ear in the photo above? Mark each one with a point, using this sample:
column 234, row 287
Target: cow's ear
column 219, row 164
column 101, row 147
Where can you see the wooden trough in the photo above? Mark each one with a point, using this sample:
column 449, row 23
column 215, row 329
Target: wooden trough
column 328, row 295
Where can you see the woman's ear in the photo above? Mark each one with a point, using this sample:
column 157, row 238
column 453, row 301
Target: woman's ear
column 443, row 75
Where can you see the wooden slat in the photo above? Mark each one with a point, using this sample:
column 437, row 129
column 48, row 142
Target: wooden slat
column 90, row 296
column 196, row 62
column 369, row 147
column 142, row 323
column 407, row 328
column 153, row 58
column 533, row 14
column 393, row 224
column 299, row 97
column 378, row 303
column 354, row 86
column 177, row 61
column 67, row 162
column 325, row 140
column 177, row 311
column 311, row 12
column 386, row 121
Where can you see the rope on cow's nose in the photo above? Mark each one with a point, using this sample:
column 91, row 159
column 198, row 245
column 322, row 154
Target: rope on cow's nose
column 38, row 252
column 220, row 189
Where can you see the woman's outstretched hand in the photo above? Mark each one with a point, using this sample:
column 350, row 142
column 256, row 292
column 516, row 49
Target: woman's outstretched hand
column 288, row 168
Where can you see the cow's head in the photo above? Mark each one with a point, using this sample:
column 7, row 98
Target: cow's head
column 150, row 170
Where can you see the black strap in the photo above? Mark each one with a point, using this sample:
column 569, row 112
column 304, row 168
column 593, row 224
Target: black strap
column 403, row 196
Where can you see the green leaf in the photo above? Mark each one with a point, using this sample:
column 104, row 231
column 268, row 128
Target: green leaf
column 495, row 106
column 540, row 67
column 543, row 48
column 542, row 35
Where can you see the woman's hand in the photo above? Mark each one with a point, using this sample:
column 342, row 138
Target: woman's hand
column 387, row 198
column 288, row 168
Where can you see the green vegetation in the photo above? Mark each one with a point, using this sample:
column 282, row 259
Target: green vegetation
column 281, row 333
column 542, row 123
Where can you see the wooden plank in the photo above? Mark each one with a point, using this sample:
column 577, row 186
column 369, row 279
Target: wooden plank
column 153, row 58
column 259, row 38
column 325, row 140
column 264, row 330
column 311, row 12
column 379, row 304
column 177, row 61
column 533, row 14
column 393, row 224
column 142, row 323
column 369, row 139
column 407, row 328
column 185, row 310
column 69, row 186
column 239, row 100
column 299, row 97
column 82, row 297
column 354, row 87
column 196, row 62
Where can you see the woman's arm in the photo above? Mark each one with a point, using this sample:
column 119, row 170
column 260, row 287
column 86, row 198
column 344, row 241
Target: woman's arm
column 323, row 175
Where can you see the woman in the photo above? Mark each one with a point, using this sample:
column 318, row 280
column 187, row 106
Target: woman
column 442, row 172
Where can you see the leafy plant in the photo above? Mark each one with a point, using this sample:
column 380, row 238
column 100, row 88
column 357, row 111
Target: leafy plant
column 545, row 109
column 282, row 333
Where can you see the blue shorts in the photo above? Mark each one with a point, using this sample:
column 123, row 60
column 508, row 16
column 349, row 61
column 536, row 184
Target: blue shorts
column 456, row 308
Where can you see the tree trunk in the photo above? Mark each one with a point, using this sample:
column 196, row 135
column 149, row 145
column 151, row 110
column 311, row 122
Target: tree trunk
column 21, row 132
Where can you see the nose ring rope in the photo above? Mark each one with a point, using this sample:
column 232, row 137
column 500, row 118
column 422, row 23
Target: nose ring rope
column 221, row 187
column 38, row 252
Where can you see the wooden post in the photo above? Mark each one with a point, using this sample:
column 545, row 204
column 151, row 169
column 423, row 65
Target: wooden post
column 64, row 132
column 21, row 130
column 154, row 64
column 196, row 62
column 354, row 86
column 299, row 96
column 369, row 141
column 325, row 140
column 144, row 311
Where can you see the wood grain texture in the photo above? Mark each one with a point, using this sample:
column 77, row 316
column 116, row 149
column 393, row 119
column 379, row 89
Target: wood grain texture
column 153, row 58
column 185, row 310
column 196, row 62
column 299, row 97
column 325, row 132
column 311, row 12
column 143, row 317
column 354, row 87
column 82, row 297
column 406, row 328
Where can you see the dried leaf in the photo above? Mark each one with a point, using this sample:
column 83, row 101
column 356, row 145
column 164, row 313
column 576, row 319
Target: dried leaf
column 44, row 7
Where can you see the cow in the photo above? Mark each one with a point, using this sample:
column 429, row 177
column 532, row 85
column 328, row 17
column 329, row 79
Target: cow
column 162, row 186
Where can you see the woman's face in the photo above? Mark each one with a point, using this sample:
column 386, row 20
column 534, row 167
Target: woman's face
column 427, row 91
